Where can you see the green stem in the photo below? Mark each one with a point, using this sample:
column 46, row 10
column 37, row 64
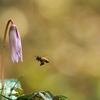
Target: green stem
column 16, row 83
column 5, row 97
column 3, row 55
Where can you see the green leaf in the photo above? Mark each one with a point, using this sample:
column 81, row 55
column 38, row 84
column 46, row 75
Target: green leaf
column 63, row 96
column 42, row 95
column 45, row 96
column 50, row 93
column 25, row 96
column 18, row 90
column 60, row 97
column 9, row 83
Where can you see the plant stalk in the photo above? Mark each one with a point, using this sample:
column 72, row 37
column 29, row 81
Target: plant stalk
column 3, row 56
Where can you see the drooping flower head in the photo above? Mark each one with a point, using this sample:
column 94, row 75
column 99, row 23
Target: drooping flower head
column 15, row 43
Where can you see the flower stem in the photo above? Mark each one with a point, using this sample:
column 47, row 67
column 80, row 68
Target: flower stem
column 3, row 55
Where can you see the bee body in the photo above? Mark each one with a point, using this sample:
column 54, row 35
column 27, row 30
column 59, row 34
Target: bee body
column 42, row 60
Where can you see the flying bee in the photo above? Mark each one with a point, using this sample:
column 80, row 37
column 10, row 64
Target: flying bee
column 42, row 60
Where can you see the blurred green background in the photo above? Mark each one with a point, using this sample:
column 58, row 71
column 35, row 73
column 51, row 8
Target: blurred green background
column 67, row 32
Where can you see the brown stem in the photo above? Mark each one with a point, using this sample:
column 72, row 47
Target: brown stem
column 3, row 55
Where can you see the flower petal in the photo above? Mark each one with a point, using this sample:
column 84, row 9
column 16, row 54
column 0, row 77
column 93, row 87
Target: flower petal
column 15, row 44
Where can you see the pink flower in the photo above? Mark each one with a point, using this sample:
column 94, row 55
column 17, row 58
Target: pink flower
column 15, row 44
